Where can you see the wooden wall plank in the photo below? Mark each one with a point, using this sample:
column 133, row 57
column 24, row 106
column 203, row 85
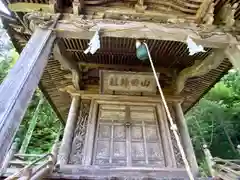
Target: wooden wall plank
column 18, row 87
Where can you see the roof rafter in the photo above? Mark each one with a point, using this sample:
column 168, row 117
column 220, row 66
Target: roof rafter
column 84, row 29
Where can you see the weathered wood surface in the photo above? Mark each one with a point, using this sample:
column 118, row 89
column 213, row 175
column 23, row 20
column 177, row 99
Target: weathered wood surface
column 89, row 140
column 122, row 67
column 65, row 148
column 85, row 29
column 68, row 62
column 199, row 68
column 94, row 95
column 164, row 129
column 18, row 87
column 233, row 54
column 128, row 136
column 9, row 156
column 127, row 82
column 78, row 145
column 127, row 172
column 185, row 138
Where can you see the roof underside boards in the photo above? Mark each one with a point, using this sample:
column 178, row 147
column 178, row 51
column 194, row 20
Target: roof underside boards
column 182, row 8
column 118, row 52
column 170, row 57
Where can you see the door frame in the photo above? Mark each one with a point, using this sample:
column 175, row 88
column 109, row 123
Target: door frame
column 161, row 119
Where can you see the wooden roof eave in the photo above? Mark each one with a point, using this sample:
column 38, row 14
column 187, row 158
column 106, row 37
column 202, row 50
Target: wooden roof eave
column 78, row 28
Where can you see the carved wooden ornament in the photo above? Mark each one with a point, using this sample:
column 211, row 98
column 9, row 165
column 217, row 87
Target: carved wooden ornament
column 127, row 82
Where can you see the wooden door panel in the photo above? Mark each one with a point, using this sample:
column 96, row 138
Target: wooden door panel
column 135, row 125
column 104, row 131
column 119, row 150
column 136, row 133
column 142, row 115
column 119, row 132
column 111, row 115
column 103, row 148
column 151, row 133
column 138, row 152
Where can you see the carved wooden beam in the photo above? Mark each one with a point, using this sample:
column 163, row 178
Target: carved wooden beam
column 226, row 14
column 31, row 7
column 85, row 29
column 94, row 94
column 205, row 12
column 168, row 71
column 78, row 6
column 199, row 68
column 68, row 62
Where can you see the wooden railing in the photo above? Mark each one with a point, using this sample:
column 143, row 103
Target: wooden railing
column 227, row 169
column 41, row 166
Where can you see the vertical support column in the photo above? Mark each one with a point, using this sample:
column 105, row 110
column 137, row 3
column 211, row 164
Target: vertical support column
column 233, row 54
column 164, row 130
column 89, row 140
column 66, row 144
column 19, row 85
column 185, row 138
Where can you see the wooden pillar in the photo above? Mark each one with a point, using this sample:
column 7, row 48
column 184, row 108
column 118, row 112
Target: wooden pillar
column 19, row 85
column 233, row 55
column 209, row 160
column 66, row 144
column 185, row 138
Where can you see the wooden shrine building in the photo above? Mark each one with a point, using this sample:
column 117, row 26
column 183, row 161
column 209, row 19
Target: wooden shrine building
column 115, row 122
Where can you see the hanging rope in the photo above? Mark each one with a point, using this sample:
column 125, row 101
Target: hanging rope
column 173, row 125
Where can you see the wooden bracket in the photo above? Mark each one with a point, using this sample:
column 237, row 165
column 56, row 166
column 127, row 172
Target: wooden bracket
column 206, row 12
column 139, row 7
column 226, row 14
column 199, row 68
column 209, row 16
column 77, row 6
column 52, row 6
column 68, row 62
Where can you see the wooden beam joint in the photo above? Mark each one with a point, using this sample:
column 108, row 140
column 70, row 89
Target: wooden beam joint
column 226, row 14
column 199, row 68
column 68, row 62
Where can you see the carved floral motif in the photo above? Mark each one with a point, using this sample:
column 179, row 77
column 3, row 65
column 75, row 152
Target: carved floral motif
column 79, row 134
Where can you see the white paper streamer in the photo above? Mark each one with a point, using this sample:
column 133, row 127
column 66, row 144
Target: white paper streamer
column 94, row 44
column 193, row 47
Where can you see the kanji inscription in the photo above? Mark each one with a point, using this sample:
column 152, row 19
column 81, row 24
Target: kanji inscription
column 127, row 82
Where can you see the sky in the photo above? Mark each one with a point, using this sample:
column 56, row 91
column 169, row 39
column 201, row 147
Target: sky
column 3, row 8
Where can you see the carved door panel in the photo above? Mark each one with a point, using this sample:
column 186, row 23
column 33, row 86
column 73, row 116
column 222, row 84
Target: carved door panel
column 145, row 138
column 110, row 141
column 127, row 136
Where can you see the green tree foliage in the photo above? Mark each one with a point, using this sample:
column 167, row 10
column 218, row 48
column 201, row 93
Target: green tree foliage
column 216, row 119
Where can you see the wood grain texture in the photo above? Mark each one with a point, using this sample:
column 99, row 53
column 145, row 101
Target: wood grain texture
column 127, row 82
column 76, row 155
column 18, row 87
column 199, row 68
column 143, row 30
column 94, row 95
column 124, row 172
column 185, row 138
column 66, row 144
